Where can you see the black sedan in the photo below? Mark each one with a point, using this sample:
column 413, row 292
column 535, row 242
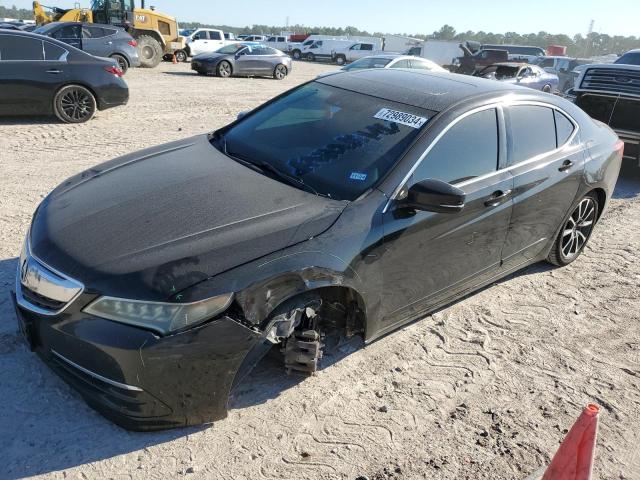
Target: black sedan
column 247, row 58
column 40, row 75
column 359, row 202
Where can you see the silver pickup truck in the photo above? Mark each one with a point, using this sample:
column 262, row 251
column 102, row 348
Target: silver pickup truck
column 611, row 93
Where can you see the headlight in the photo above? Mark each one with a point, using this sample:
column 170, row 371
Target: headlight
column 159, row 316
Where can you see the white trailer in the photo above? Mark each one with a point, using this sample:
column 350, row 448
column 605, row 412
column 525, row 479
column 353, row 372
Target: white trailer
column 400, row 44
column 441, row 52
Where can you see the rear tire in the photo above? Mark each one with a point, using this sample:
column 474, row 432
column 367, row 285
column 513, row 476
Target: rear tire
column 122, row 62
column 150, row 51
column 74, row 104
column 341, row 60
column 280, row 72
column 224, row 69
column 546, row 89
column 575, row 231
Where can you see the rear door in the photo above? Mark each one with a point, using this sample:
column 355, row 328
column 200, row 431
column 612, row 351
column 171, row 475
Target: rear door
column 546, row 158
column 94, row 41
column 216, row 41
column 31, row 70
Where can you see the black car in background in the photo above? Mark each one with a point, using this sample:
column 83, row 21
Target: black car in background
column 610, row 93
column 40, row 75
column 96, row 39
column 361, row 201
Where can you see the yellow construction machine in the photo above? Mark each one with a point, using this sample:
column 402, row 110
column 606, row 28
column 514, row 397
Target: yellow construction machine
column 156, row 33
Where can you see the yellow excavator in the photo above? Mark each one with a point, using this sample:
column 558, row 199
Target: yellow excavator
column 156, row 33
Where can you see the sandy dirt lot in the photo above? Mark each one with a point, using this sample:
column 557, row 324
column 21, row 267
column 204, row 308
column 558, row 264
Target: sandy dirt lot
column 484, row 389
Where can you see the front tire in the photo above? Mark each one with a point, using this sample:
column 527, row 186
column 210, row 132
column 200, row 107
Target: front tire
column 575, row 232
column 150, row 51
column 181, row 56
column 296, row 54
column 74, row 104
column 341, row 60
column 546, row 89
column 280, row 72
column 224, row 69
column 122, row 62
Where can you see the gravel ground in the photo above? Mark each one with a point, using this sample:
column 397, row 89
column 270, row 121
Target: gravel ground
column 484, row 389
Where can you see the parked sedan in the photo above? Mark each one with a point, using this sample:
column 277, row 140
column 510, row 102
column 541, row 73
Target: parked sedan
column 522, row 74
column 243, row 59
column 40, row 75
column 98, row 40
column 389, row 61
column 359, row 202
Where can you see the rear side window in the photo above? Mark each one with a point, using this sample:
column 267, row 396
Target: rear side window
column 70, row 31
column 421, row 64
column 533, row 132
column 401, row 64
column 564, row 128
column 215, row 36
column 13, row 47
column 93, row 32
column 53, row 52
column 468, row 150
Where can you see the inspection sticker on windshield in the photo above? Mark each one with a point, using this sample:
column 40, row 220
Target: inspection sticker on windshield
column 408, row 119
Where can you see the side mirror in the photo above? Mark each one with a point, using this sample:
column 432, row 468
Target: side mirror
column 434, row 196
column 242, row 114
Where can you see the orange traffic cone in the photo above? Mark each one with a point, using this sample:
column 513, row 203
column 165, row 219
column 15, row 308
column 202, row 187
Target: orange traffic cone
column 174, row 60
column 574, row 458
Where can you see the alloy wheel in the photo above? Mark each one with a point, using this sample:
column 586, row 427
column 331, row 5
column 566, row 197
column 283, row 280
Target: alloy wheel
column 281, row 72
column 224, row 69
column 76, row 105
column 578, row 228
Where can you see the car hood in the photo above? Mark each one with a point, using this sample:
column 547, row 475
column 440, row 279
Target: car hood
column 155, row 222
column 210, row 56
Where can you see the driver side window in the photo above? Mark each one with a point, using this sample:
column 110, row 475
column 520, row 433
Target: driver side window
column 468, row 150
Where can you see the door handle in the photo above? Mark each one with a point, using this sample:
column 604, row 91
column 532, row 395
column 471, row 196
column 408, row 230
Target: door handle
column 496, row 198
column 54, row 71
column 566, row 165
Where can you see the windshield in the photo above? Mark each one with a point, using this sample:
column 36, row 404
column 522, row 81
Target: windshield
column 631, row 58
column 333, row 142
column 229, row 49
column 369, row 62
column 499, row 72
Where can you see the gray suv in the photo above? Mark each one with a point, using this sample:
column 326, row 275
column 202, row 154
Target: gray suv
column 96, row 39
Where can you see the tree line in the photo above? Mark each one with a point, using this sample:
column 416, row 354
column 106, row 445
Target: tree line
column 593, row 44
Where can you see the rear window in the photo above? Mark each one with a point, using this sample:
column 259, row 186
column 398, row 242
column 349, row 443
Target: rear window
column 337, row 142
column 533, row 132
column 14, row 47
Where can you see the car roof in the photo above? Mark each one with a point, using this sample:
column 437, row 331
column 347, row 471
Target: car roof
column 420, row 88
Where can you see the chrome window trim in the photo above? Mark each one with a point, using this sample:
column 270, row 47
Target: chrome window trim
column 122, row 386
column 499, row 106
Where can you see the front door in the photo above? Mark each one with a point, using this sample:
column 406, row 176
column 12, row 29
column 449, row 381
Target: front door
column 547, row 169
column 431, row 256
column 30, row 71
column 71, row 34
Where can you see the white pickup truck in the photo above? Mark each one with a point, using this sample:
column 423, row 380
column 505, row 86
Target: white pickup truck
column 356, row 51
column 205, row 40
column 279, row 42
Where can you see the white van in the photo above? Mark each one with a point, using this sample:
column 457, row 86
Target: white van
column 341, row 51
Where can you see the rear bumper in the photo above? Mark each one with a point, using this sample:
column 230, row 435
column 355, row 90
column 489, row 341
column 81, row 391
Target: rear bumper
column 113, row 95
column 134, row 378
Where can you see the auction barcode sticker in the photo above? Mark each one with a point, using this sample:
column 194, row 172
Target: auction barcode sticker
column 403, row 118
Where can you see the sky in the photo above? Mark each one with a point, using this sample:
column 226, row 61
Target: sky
column 614, row 17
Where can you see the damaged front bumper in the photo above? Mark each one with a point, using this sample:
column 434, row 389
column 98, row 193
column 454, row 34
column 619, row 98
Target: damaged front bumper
column 137, row 379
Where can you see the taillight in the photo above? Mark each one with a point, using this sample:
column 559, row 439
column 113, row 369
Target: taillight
column 619, row 148
column 133, row 43
column 114, row 70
